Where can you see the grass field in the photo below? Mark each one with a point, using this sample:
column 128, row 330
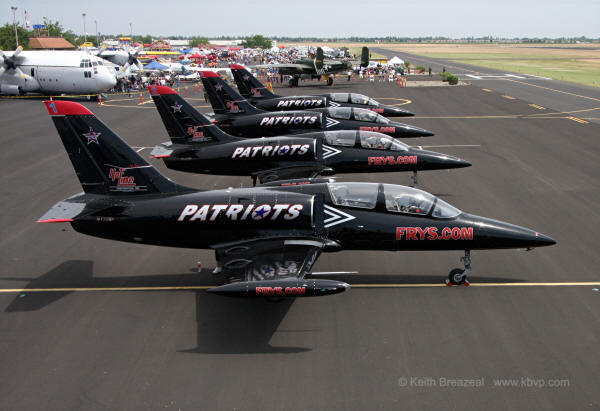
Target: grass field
column 577, row 63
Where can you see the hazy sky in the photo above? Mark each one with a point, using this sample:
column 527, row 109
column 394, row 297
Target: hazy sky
column 459, row 18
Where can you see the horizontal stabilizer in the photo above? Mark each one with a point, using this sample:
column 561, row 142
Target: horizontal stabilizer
column 65, row 211
column 161, row 151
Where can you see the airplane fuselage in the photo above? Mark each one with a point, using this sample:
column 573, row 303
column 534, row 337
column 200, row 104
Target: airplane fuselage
column 308, row 154
column 56, row 72
column 204, row 219
column 285, row 103
column 292, row 122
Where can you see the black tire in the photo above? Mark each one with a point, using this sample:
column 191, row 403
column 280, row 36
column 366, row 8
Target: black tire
column 329, row 81
column 456, row 277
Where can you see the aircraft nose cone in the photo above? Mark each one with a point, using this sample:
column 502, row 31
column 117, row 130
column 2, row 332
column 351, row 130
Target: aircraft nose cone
column 404, row 130
column 396, row 112
column 455, row 162
column 498, row 234
column 430, row 160
column 107, row 81
column 543, row 240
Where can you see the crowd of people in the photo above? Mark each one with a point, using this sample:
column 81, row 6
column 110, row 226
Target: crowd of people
column 252, row 58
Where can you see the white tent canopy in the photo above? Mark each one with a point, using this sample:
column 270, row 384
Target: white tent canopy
column 394, row 61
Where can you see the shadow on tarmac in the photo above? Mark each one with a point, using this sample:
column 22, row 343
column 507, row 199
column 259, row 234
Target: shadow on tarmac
column 224, row 325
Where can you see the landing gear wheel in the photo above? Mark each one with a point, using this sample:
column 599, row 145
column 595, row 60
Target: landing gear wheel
column 330, row 81
column 294, row 81
column 457, row 276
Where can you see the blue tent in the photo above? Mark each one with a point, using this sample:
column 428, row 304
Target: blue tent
column 155, row 65
column 186, row 51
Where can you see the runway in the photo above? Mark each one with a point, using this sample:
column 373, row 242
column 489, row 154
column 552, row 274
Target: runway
column 93, row 324
column 580, row 100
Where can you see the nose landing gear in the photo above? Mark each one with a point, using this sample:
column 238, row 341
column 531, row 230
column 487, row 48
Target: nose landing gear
column 415, row 180
column 459, row 276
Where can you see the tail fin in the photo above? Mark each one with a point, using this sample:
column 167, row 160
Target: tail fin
column 364, row 57
column 183, row 122
column 249, row 85
column 319, row 58
column 223, row 98
column 104, row 163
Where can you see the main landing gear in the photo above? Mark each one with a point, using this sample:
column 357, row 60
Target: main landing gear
column 459, row 276
column 329, row 80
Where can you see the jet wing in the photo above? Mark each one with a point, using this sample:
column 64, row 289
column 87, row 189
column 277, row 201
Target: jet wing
column 273, row 267
column 288, row 66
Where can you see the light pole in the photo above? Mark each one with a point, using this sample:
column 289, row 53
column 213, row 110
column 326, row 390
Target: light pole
column 131, row 31
column 97, row 39
column 14, row 10
column 84, row 31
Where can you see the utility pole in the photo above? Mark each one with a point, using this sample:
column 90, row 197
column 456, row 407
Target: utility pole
column 131, row 31
column 97, row 37
column 84, row 31
column 14, row 10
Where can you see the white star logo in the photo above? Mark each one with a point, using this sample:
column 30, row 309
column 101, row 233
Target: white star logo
column 176, row 107
column 218, row 87
column 92, row 136
column 246, row 77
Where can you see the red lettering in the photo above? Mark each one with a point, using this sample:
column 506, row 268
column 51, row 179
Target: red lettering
column 400, row 232
column 433, row 233
column 467, row 233
column 411, row 233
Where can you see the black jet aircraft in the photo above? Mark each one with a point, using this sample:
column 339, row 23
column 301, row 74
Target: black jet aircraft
column 199, row 146
column 261, row 97
column 317, row 67
column 238, row 117
column 266, row 238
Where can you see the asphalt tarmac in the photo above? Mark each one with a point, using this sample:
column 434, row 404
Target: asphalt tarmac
column 577, row 100
column 94, row 324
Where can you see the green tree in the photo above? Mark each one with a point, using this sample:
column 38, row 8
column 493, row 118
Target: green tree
column 7, row 37
column 147, row 39
column 196, row 41
column 257, row 41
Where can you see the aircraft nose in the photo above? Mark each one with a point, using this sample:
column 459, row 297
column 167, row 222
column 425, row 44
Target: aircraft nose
column 404, row 130
column 543, row 240
column 430, row 160
column 396, row 112
column 455, row 162
column 107, row 81
column 498, row 234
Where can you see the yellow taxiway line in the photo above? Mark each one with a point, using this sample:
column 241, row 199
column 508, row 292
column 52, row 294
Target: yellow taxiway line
column 579, row 120
column 206, row 287
column 538, row 107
